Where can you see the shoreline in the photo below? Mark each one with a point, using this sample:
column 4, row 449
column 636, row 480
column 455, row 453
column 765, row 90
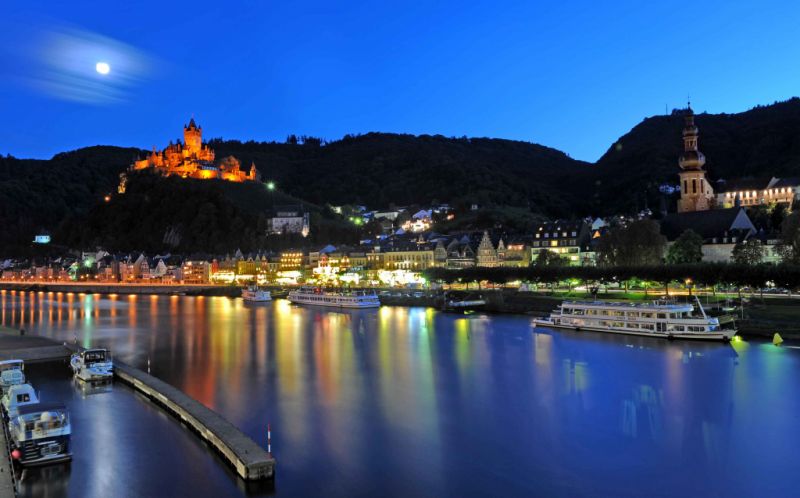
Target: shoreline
column 766, row 318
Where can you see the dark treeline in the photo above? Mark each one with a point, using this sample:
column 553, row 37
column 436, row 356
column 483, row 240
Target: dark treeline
column 159, row 215
column 701, row 275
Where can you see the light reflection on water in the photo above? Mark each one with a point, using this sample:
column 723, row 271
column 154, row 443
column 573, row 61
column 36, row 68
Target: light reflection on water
column 410, row 401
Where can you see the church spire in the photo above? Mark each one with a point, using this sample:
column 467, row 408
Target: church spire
column 691, row 158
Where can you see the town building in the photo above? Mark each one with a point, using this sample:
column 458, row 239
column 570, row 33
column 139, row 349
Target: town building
column 289, row 219
column 196, row 271
column 486, row 254
column 568, row 239
column 720, row 230
column 757, row 191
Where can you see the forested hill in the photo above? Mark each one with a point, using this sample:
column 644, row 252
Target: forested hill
column 764, row 141
column 45, row 195
column 378, row 169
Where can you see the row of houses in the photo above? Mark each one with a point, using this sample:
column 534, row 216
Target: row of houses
column 398, row 258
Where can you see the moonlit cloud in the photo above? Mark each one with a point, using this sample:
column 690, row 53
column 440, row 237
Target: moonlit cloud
column 65, row 65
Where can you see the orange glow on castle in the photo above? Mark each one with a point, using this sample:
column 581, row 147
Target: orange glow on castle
column 193, row 159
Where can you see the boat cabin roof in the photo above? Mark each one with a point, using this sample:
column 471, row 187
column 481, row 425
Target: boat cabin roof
column 41, row 407
column 16, row 388
column 6, row 364
column 632, row 306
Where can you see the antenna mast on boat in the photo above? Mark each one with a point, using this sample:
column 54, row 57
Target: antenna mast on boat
column 700, row 305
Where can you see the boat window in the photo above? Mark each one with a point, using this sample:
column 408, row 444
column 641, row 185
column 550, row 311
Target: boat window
column 23, row 398
column 662, row 315
column 578, row 311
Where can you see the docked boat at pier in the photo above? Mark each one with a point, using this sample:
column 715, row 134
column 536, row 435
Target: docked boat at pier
column 12, row 372
column 463, row 303
column 16, row 396
column 337, row 299
column 92, row 364
column 656, row 319
column 254, row 294
column 40, row 434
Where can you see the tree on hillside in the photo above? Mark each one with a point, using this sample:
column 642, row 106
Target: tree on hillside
column 549, row 258
column 748, row 252
column 639, row 243
column 688, row 248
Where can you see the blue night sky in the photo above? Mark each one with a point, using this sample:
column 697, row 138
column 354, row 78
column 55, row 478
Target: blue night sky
column 573, row 75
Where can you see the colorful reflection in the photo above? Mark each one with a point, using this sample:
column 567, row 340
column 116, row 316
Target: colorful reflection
column 411, row 401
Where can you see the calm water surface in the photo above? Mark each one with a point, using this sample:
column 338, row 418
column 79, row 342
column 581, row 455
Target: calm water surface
column 412, row 402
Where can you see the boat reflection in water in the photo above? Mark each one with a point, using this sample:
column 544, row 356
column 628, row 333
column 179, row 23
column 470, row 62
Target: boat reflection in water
column 410, row 401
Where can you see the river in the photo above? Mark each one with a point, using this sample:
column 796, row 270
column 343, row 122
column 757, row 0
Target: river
column 413, row 402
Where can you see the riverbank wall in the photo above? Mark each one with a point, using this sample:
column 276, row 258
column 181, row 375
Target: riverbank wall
column 138, row 289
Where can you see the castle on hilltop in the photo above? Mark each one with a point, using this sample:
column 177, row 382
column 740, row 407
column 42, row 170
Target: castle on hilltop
column 193, row 159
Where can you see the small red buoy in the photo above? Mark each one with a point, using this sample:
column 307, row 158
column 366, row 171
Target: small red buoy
column 16, row 454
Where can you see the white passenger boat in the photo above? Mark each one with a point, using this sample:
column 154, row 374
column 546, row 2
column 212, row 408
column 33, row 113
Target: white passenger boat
column 12, row 372
column 252, row 294
column 92, row 364
column 40, row 434
column 319, row 297
column 657, row 319
column 17, row 396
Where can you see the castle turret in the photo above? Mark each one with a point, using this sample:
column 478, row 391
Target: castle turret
column 696, row 193
column 193, row 137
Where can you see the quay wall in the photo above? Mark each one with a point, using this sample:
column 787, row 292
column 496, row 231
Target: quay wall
column 111, row 288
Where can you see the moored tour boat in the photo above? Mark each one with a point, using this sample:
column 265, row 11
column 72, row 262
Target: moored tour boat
column 252, row 294
column 92, row 364
column 657, row 319
column 344, row 299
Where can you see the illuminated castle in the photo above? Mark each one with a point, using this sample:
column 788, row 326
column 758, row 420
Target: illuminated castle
column 193, row 159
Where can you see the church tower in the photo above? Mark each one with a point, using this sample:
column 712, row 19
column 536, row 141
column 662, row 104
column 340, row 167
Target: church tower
column 696, row 192
column 193, row 137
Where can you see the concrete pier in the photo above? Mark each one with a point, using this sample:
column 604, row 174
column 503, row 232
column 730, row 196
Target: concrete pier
column 251, row 461
column 7, row 481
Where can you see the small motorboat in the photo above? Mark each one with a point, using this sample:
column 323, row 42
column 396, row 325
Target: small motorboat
column 92, row 364
column 40, row 434
column 12, row 372
column 17, row 396
column 253, row 294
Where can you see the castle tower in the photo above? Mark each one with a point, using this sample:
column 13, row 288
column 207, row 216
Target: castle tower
column 696, row 192
column 193, row 137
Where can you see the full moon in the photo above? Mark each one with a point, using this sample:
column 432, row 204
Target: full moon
column 102, row 68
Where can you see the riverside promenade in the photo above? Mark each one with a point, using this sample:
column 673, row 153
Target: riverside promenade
column 122, row 288
column 250, row 461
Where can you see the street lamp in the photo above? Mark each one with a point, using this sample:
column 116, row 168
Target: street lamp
column 271, row 187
